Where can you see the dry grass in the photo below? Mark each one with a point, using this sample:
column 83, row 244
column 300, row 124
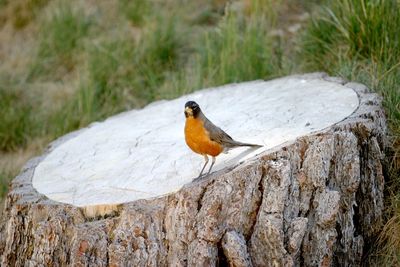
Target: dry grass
column 20, row 13
column 12, row 162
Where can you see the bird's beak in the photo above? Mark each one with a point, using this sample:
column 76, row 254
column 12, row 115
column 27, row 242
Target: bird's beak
column 188, row 112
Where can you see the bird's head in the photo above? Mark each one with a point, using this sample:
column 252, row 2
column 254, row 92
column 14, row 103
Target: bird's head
column 192, row 109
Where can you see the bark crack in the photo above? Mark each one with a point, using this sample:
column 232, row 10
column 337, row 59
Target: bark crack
column 203, row 192
column 260, row 187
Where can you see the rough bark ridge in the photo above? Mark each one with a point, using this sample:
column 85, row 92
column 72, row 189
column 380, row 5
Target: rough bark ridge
column 314, row 201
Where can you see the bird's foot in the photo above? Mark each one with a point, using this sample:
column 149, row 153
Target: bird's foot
column 200, row 177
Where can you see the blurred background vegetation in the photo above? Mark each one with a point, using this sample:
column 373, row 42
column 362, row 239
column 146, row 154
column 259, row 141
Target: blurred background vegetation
column 66, row 63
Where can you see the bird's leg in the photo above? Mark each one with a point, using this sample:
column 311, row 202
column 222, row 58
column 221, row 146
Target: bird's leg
column 212, row 164
column 206, row 159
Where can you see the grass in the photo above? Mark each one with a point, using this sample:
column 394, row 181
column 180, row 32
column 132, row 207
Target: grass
column 16, row 118
column 117, row 56
column 135, row 11
column 60, row 38
column 4, row 180
column 235, row 40
column 215, row 61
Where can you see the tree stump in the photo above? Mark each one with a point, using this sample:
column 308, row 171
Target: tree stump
column 121, row 192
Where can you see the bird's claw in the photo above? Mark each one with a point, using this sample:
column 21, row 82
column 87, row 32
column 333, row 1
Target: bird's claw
column 200, row 177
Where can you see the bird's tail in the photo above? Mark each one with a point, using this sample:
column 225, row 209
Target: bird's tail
column 237, row 143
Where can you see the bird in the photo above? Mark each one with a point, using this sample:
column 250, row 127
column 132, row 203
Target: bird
column 205, row 138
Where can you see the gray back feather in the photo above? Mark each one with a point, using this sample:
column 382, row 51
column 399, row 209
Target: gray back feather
column 218, row 135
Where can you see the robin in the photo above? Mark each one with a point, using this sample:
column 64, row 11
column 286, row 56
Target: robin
column 205, row 138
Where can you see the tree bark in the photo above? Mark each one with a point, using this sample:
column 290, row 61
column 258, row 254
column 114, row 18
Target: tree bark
column 314, row 201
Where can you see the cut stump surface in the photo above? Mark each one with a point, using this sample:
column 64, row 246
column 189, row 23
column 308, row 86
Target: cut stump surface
column 142, row 154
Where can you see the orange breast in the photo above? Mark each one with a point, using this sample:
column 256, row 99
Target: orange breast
column 197, row 138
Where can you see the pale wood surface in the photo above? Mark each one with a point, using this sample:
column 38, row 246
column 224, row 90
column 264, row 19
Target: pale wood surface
column 142, row 153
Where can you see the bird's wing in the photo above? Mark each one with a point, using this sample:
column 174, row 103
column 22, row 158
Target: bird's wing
column 218, row 135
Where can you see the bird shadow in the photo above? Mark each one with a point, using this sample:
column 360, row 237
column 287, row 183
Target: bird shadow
column 235, row 159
